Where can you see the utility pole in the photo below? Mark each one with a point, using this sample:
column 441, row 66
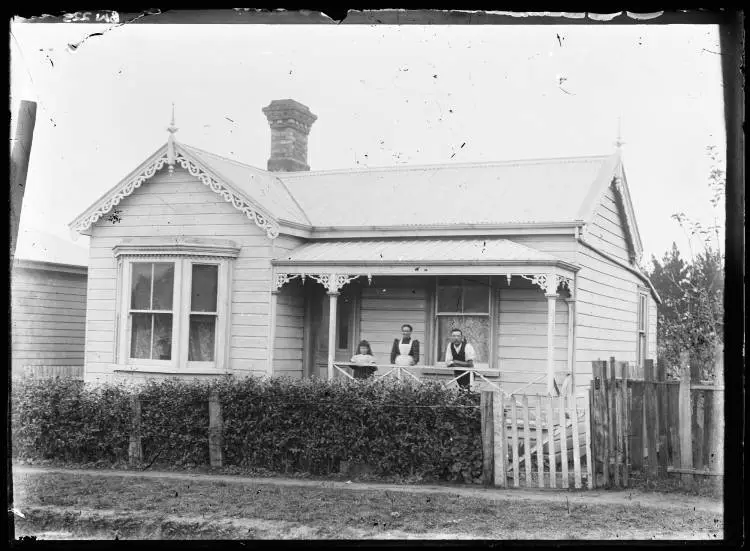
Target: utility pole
column 19, row 165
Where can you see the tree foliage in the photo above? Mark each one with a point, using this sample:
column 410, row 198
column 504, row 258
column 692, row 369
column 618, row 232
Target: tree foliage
column 691, row 316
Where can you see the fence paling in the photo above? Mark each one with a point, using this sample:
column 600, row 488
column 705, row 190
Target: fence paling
column 563, row 441
column 576, row 444
column 589, row 451
column 526, row 440
column 613, row 418
column 636, row 425
column 539, row 441
column 514, row 433
column 551, row 445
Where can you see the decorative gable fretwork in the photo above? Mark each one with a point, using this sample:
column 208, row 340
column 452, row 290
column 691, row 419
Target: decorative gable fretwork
column 268, row 226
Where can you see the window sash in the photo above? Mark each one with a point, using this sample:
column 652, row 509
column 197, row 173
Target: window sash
column 181, row 314
column 438, row 347
column 444, row 283
column 642, row 333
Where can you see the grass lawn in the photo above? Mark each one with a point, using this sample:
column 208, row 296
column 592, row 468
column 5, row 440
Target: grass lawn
column 62, row 505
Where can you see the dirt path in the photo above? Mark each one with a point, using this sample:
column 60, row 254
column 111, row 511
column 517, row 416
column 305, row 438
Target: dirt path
column 587, row 497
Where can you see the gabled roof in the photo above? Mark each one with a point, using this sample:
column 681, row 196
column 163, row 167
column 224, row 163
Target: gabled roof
column 264, row 186
column 244, row 193
column 536, row 191
column 533, row 192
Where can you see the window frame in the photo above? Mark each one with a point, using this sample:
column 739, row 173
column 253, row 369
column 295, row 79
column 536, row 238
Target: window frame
column 184, row 256
column 642, row 327
column 438, row 347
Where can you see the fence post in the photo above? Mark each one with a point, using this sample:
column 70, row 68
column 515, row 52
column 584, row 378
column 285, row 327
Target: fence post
column 215, row 430
column 686, row 417
column 599, row 418
column 500, row 442
column 488, row 432
column 716, row 435
column 649, row 403
column 135, row 449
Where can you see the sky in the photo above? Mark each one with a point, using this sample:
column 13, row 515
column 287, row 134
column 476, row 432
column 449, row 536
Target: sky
column 384, row 95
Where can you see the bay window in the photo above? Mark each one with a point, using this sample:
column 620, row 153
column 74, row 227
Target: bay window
column 173, row 307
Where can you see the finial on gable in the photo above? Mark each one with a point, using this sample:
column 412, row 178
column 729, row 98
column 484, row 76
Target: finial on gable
column 170, row 143
column 619, row 142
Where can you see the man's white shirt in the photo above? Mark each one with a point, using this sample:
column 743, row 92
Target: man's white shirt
column 469, row 353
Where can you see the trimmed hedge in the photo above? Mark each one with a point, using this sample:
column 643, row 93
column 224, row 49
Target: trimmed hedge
column 279, row 424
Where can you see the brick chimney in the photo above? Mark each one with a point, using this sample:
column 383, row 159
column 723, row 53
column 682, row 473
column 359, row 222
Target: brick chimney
column 290, row 123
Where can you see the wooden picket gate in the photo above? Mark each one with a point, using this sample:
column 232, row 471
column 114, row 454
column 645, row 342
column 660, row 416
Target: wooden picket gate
column 532, row 440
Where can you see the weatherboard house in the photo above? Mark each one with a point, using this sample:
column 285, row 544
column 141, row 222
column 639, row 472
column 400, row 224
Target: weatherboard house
column 202, row 266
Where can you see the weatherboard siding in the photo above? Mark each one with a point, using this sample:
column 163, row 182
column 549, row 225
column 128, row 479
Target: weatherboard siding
column 606, row 313
column 607, row 229
column 180, row 205
column 521, row 339
column 48, row 319
column 388, row 304
column 290, row 314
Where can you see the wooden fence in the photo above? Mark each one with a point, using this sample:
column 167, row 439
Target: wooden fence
column 652, row 425
column 535, row 440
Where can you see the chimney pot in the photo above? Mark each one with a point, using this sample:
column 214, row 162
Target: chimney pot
column 290, row 123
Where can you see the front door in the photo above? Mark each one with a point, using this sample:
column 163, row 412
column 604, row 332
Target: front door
column 318, row 304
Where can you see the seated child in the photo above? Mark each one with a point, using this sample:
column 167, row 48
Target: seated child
column 365, row 361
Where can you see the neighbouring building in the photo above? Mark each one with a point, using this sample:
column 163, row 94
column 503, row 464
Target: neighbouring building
column 202, row 266
column 48, row 307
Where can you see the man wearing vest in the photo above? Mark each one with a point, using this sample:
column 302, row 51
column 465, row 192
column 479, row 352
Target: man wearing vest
column 460, row 354
column 405, row 351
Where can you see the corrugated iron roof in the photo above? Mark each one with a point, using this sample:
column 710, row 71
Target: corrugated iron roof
column 533, row 191
column 261, row 185
column 414, row 251
column 40, row 246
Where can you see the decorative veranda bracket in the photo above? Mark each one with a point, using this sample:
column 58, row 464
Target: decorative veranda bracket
column 548, row 282
column 271, row 229
column 332, row 282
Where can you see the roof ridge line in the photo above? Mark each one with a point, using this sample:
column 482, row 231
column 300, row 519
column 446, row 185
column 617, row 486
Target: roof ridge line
column 468, row 164
column 224, row 158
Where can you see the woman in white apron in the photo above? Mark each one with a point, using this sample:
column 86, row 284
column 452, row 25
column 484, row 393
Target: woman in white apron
column 405, row 351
